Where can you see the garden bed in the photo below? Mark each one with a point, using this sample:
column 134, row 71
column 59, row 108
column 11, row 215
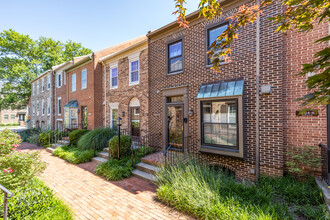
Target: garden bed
column 74, row 155
column 207, row 193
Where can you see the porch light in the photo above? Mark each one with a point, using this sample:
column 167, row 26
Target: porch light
column 123, row 114
column 191, row 112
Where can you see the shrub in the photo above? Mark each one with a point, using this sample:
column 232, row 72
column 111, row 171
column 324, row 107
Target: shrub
column 304, row 162
column 98, row 138
column 207, row 193
column 125, row 146
column 115, row 169
column 18, row 168
column 76, row 135
column 28, row 132
column 33, row 139
column 9, row 141
column 34, row 201
column 74, row 155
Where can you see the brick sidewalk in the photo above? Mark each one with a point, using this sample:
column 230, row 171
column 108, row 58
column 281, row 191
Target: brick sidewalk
column 92, row 197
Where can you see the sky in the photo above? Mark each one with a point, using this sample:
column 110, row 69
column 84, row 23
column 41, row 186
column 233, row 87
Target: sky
column 96, row 24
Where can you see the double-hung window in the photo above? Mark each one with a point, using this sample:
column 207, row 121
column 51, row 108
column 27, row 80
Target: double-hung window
column 175, row 59
column 59, row 107
column 37, row 87
column 59, row 80
column 84, row 79
column 48, row 82
column 43, row 107
column 12, row 116
column 134, row 72
column 5, row 117
column 114, row 77
column 73, row 82
column 48, row 106
column 43, row 84
column 114, row 116
column 33, row 88
column 212, row 35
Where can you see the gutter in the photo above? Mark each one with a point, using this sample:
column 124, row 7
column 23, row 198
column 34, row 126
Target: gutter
column 69, row 68
column 105, row 94
column 257, row 163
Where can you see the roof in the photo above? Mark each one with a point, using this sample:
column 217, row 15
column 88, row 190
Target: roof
column 72, row 104
column 78, row 61
column 55, row 68
column 41, row 75
column 221, row 89
column 138, row 42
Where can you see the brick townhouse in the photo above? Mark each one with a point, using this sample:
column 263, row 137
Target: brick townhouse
column 82, row 95
column 41, row 101
column 126, row 88
column 218, row 110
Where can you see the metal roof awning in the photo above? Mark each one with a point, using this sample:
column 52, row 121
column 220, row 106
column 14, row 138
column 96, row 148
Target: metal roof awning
column 72, row 104
column 221, row 89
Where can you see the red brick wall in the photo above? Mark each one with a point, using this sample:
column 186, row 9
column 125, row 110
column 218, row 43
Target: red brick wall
column 85, row 97
column 302, row 130
column 60, row 92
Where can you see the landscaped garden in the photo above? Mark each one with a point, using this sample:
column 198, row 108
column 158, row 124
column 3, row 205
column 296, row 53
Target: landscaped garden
column 210, row 193
column 32, row 198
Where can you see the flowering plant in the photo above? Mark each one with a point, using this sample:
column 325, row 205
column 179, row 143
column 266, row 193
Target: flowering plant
column 9, row 141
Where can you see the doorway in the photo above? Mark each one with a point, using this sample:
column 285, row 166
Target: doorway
column 135, row 121
column 84, row 117
column 175, row 126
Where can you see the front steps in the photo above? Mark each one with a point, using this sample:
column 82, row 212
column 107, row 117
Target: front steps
column 60, row 143
column 325, row 191
column 102, row 157
column 146, row 170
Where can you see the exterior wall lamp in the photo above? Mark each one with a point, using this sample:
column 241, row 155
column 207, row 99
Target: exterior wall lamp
column 123, row 114
column 191, row 112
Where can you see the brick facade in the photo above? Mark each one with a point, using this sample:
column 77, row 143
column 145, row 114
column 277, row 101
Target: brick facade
column 274, row 133
column 122, row 96
column 41, row 99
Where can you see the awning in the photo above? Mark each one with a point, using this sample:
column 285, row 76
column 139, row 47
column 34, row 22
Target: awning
column 72, row 104
column 221, row 89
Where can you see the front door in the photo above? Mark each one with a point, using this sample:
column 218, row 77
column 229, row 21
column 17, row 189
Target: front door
column 84, row 117
column 135, row 121
column 175, row 126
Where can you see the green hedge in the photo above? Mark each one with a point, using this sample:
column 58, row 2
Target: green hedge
column 26, row 134
column 76, row 135
column 74, row 155
column 44, row 137
column 98, row 138
column 125, row 145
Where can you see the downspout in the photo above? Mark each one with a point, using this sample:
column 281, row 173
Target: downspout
column 258, row 96
column 105, row 94
column 55, row 100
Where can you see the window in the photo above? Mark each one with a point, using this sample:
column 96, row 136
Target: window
column 37, row 87
column 48, row 106
column 84, row 79
column 212, row 35
column 48, row 82
column 114, row 116
column 33, row 88
column 220, row 123
column 59, row 80
column 74, row 117
column 43, row 107
column 43, row 85
column 175, row 57
column 12, row 116
column 134, row 72
column 5, row 117
column 29, row 110
column 73, row 82
column 59, row 107
column 114, row 78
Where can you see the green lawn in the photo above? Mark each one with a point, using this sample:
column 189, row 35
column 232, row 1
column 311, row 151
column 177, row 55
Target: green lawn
column 208, row 193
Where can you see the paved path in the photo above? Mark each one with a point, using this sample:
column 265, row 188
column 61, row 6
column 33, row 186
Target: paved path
column 92, row 197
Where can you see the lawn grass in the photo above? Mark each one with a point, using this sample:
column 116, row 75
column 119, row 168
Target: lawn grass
column 207, row 193
column 74, row 155
column 36, row 201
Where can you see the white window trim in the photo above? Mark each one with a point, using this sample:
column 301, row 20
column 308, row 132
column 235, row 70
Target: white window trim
column 48, row 106
column 113, row 105
column 38, row 108
column 57, row 80
column 82, row 79
column 42, row 107
column 33, row 88
column 112, row 66
column 58, row 109
column 131, row 59
column 37, row 87
column 43, row 85
column 75, row 89
column 71, row 117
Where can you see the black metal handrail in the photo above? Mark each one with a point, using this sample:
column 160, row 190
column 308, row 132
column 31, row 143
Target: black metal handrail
column 7, row 196
column 326, row 179
column 177, row 153
column 325, row 147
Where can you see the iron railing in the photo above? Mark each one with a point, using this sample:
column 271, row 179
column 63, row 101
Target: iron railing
column 7, row 195
column 325, row 176
column 143, row 146
column 177, row 151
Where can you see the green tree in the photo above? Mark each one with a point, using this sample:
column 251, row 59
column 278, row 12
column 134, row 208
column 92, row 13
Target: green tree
column 297, row 15
column 23, row 58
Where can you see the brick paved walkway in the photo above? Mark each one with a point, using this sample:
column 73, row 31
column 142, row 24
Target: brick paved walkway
column 92, row 197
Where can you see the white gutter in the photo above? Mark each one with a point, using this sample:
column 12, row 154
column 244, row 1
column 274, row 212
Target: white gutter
column 105, row 94
column 258, row 96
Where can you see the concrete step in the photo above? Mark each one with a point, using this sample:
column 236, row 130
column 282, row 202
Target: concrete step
column 57, row 145
column 63, row 142
column 147, row 168
column 65, row 138
column 325, row 190
column 104, row 155
column 143, row 175
column 50, row 149
column 99, row 160
column 106, row 149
